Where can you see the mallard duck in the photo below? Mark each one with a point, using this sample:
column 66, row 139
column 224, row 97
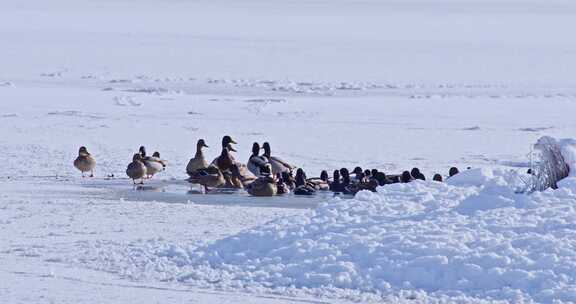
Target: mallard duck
column 303, row 187
column 288, row 179
column 210, row 176
column 278, row 165
column 265, row 185
column 281, row 185
column 319, row 183
column 256, row 161
column 162, row 161
column 136, row 169
column 239, row 180
column 153, row 164
column 199, row 161
column 85, row 162
column 225, row 160
column 335, row 185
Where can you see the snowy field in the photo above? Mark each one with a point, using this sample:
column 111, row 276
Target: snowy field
column 330, row 84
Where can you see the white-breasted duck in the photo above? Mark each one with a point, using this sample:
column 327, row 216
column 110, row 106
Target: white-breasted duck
column 256, row 161
column 153, row 164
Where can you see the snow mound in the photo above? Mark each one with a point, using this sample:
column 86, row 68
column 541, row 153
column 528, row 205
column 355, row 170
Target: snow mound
column 471, row 239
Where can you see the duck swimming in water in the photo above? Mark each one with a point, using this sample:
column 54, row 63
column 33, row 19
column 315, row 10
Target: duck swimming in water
column 85, row 162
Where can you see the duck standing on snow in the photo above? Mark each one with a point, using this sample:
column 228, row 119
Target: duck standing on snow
column 85, row 162
column 136, row 169
column 256, row 161
column 153, row 164
column 278, row 165
column 265, row 185
column 199, row 161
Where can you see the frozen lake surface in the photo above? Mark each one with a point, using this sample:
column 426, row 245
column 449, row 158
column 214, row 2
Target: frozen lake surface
column 330, row 84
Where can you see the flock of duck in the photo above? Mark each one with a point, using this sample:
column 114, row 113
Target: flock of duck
column 262, row 175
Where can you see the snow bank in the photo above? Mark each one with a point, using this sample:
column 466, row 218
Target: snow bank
column 471, row 239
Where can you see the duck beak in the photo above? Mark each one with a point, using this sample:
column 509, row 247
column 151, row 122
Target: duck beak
column 205, row 146
column 232, row 141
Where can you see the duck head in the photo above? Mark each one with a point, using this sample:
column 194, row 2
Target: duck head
column 415, row 172
column 380, row 178
column 201, row 144
column 156, row 154
column 83, row 151
column 267, row 150
column 255, row 149
column 367, row 173
column 142, row 151
column 288, row 179
column 453, row 171
column 137, row 157
column 373, row 172
column 437, row 177
column 336, row 176
column 230, row 148
column 300, row 177
column 344, row 173
column 227, row 140
column 324, row 175
column 357, row 170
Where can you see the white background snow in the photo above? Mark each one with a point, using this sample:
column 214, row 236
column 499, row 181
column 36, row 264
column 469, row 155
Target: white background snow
column 384, row 84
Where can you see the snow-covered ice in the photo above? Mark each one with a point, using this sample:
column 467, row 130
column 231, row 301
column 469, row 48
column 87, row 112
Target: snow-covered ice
column 330, row 84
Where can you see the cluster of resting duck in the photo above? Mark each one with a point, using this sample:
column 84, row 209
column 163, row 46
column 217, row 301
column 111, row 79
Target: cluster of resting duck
column 263, row 175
